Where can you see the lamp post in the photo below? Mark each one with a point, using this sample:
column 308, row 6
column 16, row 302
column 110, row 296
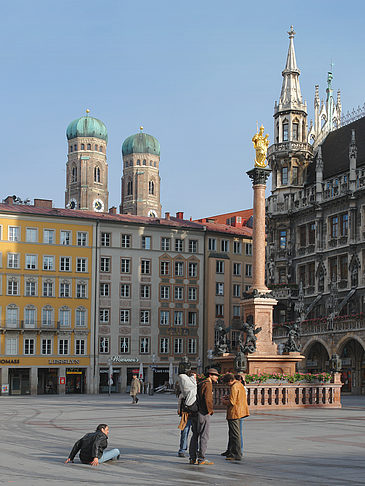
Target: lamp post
column 153, row 370
column 110, row 376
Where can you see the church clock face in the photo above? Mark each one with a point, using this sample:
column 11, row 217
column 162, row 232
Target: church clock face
column 98, row 205
column 72, row 204
column 152, row 214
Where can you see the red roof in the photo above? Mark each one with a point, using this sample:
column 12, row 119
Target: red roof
column 227, row 229
column 245, row 214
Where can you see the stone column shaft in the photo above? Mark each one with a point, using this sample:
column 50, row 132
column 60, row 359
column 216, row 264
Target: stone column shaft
column 258, row 238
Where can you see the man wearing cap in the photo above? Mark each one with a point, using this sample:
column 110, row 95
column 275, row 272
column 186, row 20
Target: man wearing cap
column 201, row 419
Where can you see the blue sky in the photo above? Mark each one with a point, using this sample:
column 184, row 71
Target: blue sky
column 196, row 74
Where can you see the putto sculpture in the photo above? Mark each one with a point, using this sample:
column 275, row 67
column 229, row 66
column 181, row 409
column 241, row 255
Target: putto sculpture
column 222, row 343
column 293, row 333
column 249, row 344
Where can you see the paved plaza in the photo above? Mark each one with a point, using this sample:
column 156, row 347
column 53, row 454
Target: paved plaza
column 294, row 447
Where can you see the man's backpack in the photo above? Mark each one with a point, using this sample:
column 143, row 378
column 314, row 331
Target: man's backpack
column 193, row 408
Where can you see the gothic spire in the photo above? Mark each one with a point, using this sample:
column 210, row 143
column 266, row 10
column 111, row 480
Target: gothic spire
column 291, row 96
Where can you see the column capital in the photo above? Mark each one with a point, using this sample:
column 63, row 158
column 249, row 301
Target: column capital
column 259, row 175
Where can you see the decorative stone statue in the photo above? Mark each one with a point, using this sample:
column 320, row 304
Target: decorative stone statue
column 271, row 270
column 249, row 345
column 261, row 144
column 222, row 344
column 293, row 333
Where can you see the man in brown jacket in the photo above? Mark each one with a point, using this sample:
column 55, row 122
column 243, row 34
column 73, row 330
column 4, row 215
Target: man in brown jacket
column 135, row 389
column 237, row 409
column 201, row 419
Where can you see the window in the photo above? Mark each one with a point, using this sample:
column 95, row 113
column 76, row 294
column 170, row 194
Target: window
column 47, row 316
column 144, row 345
column 14, row 233
column 295, row 131
column 145, row 291
column 75, row 147
column 164, row 268
column 212, row 244
column 344, row 224
column 65, row 264
column 179, row 269
column 104, row 345
column 80, row 318
column 191, row 346
column 126, row 241
column 105, row 264
column 104, row 290
column 146, row 242
column 334, row 226
column 248, row 249
column 164, row 292
column 219, row 266
column 124, row 345
column 178, row 245
column 178, row 345
column 82, row 146
column 48, row 263
column 179, row 293
column 64, row 289
column 65, row 317
column 236, row 311
column 178, row 318
column 124, row 316
column 30, row 262
column 303, row 235
column 225, row 246
column 282, row 274
column 294, row 175
column 12, row 316
column 193, row 269
column 31, row 235
column 81, row 290
column 193, row 246
column 284, row 176
column 29, row 346
column 145, row 317
column 333, row 268
column 129, row 188
column 236, row 290
column 104, row 316
column 192, row 293
column 65, row 238
column 13, row 287
column 312, row 233
column 63, row 346
column 80, row 346
column 165, row 244
column 164, row 345
column 11, row 345
column 164, row 318
column 145, row 267
column 282, row 239
column 13, row 260
column 97, row 173
column 237, row 247
column 219, row 310
column 219, row 288
column 46, row 346
column 73, row 172
column 151, row 187
column 81, row 264
column 125, row 265
column 285, row 132
column 81, row 238
column 343, row 267
column 237, row 269
column 105, row 239
column 30, row 288
column 49, row 236
column 248, row 270
column 125, row 291
column 29, row 317
column 192, row 318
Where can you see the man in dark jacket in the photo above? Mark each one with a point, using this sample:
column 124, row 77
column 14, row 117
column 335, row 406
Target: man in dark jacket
column 92, row 447
column 200, row 420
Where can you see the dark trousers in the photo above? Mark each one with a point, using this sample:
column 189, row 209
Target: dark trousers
column 199, row 439
column 234, row 438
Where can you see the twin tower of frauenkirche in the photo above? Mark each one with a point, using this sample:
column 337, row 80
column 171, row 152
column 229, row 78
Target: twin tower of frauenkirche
column 87, row 170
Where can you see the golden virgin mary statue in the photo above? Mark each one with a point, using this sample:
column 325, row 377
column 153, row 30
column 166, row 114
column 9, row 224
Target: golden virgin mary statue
column 261, row 144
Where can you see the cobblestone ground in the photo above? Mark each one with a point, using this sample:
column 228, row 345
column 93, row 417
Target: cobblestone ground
column 302, row 447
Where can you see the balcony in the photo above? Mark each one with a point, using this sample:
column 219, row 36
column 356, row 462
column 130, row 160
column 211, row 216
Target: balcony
column 283, row 291
column 37, row 326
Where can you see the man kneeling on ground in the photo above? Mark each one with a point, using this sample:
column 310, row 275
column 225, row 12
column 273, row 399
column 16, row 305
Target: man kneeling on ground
column 92, row 448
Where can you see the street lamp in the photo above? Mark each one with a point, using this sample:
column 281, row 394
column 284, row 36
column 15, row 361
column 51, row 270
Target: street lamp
column 110, row 375
column 153, row 370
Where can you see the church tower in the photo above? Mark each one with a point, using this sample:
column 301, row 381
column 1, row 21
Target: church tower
column 86, row 168
column 141, row 180
column 290, row 153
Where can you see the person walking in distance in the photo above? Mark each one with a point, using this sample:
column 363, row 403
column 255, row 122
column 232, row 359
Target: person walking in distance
column 92, row 448
column 201, row 419
column 135, row 389
column 236, row 403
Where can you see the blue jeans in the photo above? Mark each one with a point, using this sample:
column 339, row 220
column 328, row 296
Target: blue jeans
column 184, row 436
column 108, row 455
column 241, row 432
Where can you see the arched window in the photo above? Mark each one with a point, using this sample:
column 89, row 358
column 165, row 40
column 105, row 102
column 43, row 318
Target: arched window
column 47, row 316
column 89, row 146
column 144, row 162
column 82, row 146
column 285, row 130
column 100, row 148
column 151, row 187
column 74, row 174
column 130, row 163
column 75, row 147
column 96, row 148
column 12, row 316
column 154, row 164
column 97, row 177
column 65, row 317
column 129, row 188
column 151, row 163
column 80, row 317
column 70, row 148
column 138, row 162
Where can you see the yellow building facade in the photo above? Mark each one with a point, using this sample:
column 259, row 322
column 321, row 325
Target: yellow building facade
column 46, row 286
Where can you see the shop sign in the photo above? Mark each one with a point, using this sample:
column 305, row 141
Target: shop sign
column 161, row 370
column 5, row 389
column 62, row 380
column 63, row 361
column 9, row 361
column 122, row 359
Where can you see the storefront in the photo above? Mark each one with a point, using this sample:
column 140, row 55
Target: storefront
column 19, row 382
column 47, row 381
column 160, row 377
column 75, row 380
column 104, row 381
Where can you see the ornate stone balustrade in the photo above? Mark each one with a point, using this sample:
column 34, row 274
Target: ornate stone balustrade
column 321, row 326
column 296, row 395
